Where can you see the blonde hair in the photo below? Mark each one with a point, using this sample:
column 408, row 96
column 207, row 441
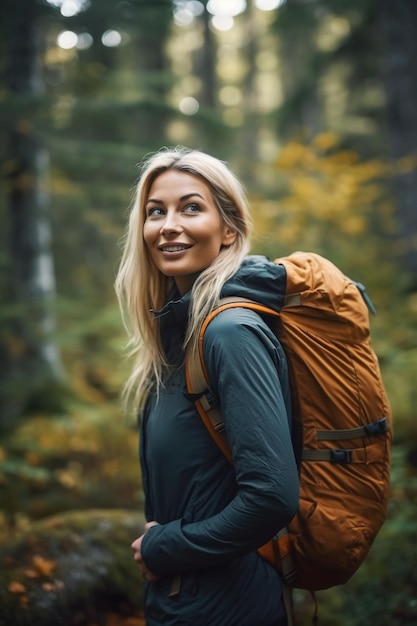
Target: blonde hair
column 141, row 287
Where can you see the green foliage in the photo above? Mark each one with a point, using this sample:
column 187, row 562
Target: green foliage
column 55, row 464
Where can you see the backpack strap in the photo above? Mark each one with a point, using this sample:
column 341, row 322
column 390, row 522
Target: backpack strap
column 196, row 375
column 197, row 378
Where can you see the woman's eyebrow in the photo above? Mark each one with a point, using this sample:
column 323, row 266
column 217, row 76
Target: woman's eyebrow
column 190, row 195
column 182, row 199
column 153, row 200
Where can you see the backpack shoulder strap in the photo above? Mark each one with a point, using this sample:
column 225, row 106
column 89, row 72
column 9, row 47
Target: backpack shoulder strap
column 197, row 378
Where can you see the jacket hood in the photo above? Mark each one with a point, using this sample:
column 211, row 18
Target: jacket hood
column 260, row 280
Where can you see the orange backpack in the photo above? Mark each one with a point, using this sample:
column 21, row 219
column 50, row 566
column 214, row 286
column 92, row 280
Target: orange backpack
column 341, row 416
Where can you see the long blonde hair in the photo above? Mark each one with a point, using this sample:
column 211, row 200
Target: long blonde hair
column 141, row 287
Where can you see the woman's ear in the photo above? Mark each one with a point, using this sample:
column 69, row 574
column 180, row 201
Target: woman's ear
column 229, row 236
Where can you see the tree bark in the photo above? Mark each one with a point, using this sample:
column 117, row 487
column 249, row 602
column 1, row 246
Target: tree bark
column 398, row 28
column 204, row 65
column 32, row 278
column 250, row 131
column 152, row 32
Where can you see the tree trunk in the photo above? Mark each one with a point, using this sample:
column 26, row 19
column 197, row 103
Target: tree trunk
column 398, row 27
column 249, row 135
column 153, row 27
column 32, row 279
column 204, row 66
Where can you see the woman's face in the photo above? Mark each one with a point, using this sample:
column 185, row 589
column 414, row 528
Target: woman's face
column 183, row 229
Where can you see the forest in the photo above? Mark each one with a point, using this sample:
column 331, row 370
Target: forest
column 313, row 103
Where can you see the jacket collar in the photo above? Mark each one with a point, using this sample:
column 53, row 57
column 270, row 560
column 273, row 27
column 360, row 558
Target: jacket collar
column 174, row 312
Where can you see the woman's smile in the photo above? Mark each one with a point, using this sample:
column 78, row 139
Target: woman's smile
column 174, row 248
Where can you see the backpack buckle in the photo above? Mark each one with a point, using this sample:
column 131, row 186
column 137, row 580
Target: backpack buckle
column 341, row 456
column 377, row 428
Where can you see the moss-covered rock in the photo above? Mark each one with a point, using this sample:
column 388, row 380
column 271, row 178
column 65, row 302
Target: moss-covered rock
column 70, row 569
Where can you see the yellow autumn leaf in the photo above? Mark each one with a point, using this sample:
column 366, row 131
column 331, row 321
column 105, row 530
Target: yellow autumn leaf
column 325, row 141
column 33, row 458
column 337, row 161
column 16, row 587
column 354, row 225
column 291, row 155
column 364, row 172
column 67, row 478
column 44, row 566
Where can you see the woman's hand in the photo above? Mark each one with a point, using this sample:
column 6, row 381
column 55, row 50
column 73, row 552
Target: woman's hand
column 137, row 554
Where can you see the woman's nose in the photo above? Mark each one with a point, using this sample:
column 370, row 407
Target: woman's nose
column 170, row 224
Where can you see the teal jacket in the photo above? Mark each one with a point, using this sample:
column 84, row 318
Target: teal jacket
column 213, row 516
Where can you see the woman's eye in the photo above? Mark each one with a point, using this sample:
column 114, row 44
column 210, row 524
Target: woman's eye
column 192, row 208
column 155, row 211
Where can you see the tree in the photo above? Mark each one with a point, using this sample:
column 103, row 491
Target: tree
column 329, row 54
column 29, row 350
column 204, row 64
column 398, row 27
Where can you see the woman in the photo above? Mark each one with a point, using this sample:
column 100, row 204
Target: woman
column 186, row 245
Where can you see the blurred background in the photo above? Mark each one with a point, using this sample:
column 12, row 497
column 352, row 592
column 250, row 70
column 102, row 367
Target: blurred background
column 313, row 103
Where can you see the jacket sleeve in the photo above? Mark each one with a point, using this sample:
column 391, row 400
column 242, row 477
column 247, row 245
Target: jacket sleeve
column 247, row 372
